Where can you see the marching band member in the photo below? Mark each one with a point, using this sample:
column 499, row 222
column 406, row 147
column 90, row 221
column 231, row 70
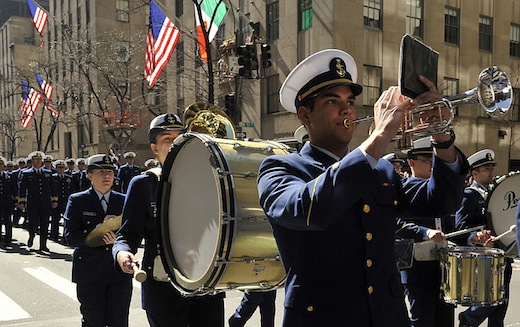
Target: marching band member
column 472, row 213
column 37, row 196
column 333, row 210
column 164, row 305
column 7, row 198
column 103, row 292
column 422, row 281
column 127, row 171
column 63, row 185
column 150, row 163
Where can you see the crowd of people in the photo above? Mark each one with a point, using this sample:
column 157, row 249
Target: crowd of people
column 335, row 210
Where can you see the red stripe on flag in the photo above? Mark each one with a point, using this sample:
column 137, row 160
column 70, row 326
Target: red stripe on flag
column 158, row 52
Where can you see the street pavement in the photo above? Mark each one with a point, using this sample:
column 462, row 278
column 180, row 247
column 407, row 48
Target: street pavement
column 36, row 291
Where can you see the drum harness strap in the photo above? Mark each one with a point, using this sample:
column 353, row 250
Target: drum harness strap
column 159, row 273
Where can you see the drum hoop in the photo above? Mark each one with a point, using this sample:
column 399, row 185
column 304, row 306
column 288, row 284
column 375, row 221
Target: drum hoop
column 226, row 242
column 489, row 217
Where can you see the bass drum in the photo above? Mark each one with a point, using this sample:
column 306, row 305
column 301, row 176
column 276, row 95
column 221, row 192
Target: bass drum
column 501, row 211
column 214, row 235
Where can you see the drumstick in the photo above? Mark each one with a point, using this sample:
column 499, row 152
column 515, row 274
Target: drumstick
column 510, row 230
column 139, row 274
column 464, row 231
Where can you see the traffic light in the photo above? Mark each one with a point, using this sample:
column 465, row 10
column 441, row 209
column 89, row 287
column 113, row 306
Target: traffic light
column 229, row 104
column 248, row 59
column 265, row 55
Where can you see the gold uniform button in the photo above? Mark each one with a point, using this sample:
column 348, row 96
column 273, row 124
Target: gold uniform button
column 368, row 236
column 310, row 308
column 396, row 202
column 149, row 267
column 366, row 208
column 335, row 166
column 370, row 290
column 84, row 231
column 369, row 263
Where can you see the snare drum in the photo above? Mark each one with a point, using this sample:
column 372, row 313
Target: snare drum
column 214, row 234
column 472, row 276
column 501, row 211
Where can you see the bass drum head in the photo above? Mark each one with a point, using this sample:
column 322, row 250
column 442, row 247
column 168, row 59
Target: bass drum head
column 191, row 226
column 501, row 212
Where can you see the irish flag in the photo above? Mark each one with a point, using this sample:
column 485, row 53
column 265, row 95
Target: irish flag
column 213, row 13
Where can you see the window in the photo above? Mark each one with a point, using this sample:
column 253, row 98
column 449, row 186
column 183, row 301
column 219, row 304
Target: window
column 451, row 26
column 124, row 90
column 273, row 96
column 179, row 53
column 87, row 13
column 372, row 13
column 123, row 51
column 414, row 17
column 122, row 11
column 515, row 106
column 305, row 17
column 243, row 6
column 245, row 29
column 273, row 21
column 371, row 85
column 179, row 8
column 221, row 34
column 451, row 87
column 485, row 33
column 514, row 41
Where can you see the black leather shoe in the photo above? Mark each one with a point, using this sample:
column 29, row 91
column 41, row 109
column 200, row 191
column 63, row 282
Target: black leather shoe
column 44, row 249
column 30, row 241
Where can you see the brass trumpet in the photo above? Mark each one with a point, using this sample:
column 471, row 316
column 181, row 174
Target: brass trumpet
column 494, row 93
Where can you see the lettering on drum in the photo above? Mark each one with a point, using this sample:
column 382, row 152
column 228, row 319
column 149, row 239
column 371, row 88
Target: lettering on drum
column 511, row 200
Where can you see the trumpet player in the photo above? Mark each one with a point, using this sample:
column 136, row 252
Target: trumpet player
column 333, row 208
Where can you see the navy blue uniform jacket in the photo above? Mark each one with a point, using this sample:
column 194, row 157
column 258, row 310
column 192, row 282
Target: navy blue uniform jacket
column 334, row 224
column 84, row 212
column 428, row 272
column 140, row 221
column 125, row 175
column 37, row 191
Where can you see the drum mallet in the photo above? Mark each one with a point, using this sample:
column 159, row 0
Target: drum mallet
column 139, row 274
column 511, row 229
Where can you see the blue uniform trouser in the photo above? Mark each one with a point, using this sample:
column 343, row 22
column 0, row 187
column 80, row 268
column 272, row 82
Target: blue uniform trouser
column 189, row 312
column 495, row 314
column 427, row 307
column 250, row 301
column 5, row 220
column 55, row 222
column 39, row 218
column 105, row 304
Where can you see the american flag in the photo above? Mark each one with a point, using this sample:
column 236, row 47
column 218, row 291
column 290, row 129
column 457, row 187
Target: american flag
column 160, row 43
column 47, row 90
column 39, row 16
column 30, row 102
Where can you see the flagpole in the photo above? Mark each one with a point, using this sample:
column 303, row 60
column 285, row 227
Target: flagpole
column 211, row 85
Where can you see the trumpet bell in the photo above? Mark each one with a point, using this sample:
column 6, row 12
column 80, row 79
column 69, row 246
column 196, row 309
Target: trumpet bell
column 495, row 92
